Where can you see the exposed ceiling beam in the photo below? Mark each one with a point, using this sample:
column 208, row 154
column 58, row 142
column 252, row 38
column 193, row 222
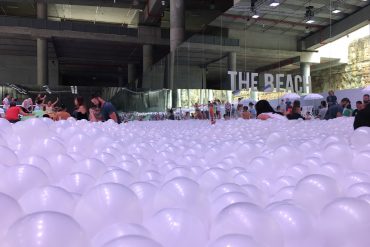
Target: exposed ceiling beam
column 337, row 30
column 278, row 64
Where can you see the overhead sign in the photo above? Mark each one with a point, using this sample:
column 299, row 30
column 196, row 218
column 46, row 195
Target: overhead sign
column 271, row 82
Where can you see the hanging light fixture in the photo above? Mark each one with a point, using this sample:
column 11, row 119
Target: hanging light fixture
column 254, row 12
column 309, row 15
column 274, row 3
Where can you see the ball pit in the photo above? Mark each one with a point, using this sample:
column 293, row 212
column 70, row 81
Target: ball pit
column 184, row 183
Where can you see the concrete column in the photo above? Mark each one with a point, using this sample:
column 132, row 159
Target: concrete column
column 121, row 80
column 131, row 74
column 42, row 48
column 147, row 57
column 306, row 76
column 177, row 36
column 232, row 61
column 177, row 30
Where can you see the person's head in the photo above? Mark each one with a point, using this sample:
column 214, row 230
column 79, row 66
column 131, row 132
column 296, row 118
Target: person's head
column 359, row 105
column 251, row 105
column 344, row 102
column 323, row 103
column 297, row 103
column 12, row 104
column 49, row 103
column 245, row 108
column 96, row 100
column 39, row 101
column 7, row 95
column 63, row 107
column 366, row 99
column 263, row 106
column 278, row 108
column 79, row 101
column 296, row 109
column 331, row 93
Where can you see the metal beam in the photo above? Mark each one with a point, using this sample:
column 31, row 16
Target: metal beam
column 337, row 30
column 74, row 30
column 278, row 64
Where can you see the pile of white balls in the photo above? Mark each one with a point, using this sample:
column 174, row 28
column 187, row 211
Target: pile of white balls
column 184, row 184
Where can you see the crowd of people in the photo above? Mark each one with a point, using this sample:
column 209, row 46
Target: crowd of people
column 101, row 110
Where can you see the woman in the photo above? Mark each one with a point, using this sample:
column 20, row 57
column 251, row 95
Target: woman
column 323, row 110
column 265, row 111
column 81, row 111
column 49, row 108
column 347, row 111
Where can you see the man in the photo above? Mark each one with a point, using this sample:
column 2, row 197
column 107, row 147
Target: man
column 13, row 112
column 6, row 102
column 362, row 118
column 359, row 107
column 228, row 109
column 366, row 99
column 331, row 99
column 336, row 110
column 107, row 110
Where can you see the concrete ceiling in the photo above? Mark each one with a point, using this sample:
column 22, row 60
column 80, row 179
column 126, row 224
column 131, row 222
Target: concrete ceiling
column 288, row 18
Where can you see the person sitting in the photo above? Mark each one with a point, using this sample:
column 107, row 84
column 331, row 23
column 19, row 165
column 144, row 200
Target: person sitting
column 246, row 114
column 296, row 113
column 49, row 107
column 13, row 112
column 62, row 114
column 323, row 110
column 265, row 111
column 362, row 119
column 336, row 111
column 107, row 110
column 347, row 111
column 359, row 107
column 81, row 111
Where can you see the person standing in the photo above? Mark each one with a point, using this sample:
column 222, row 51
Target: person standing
column 228, row 109
column 108, row 111
column 331, row 99
column 6, row 102
column 252, row 110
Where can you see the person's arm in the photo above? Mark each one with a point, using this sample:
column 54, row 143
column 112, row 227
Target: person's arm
column 263, row 117
column 113, row 116
column 339, row 114
column 21, row 112
column 92, row 117
column 55, row 102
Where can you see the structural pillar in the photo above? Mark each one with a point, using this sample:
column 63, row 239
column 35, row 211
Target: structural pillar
column 131, row 74
column 42, row 47
column 177, row 36
column 232, row 61
column 147, row 57
column 306, row 76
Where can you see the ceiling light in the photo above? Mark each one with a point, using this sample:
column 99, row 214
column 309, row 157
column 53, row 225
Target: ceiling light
column 274, row 3
column 310, row 21
column 255, row 16
column 336, row 11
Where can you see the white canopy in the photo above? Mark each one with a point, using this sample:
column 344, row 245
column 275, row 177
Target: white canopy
column 313, row 96
column 366, row 89
column 291, row 96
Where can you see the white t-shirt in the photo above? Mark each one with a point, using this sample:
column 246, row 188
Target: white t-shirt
column 6, row 103
column 275, row 116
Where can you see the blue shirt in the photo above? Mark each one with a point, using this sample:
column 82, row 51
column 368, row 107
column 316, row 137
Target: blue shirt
column 106, row 110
